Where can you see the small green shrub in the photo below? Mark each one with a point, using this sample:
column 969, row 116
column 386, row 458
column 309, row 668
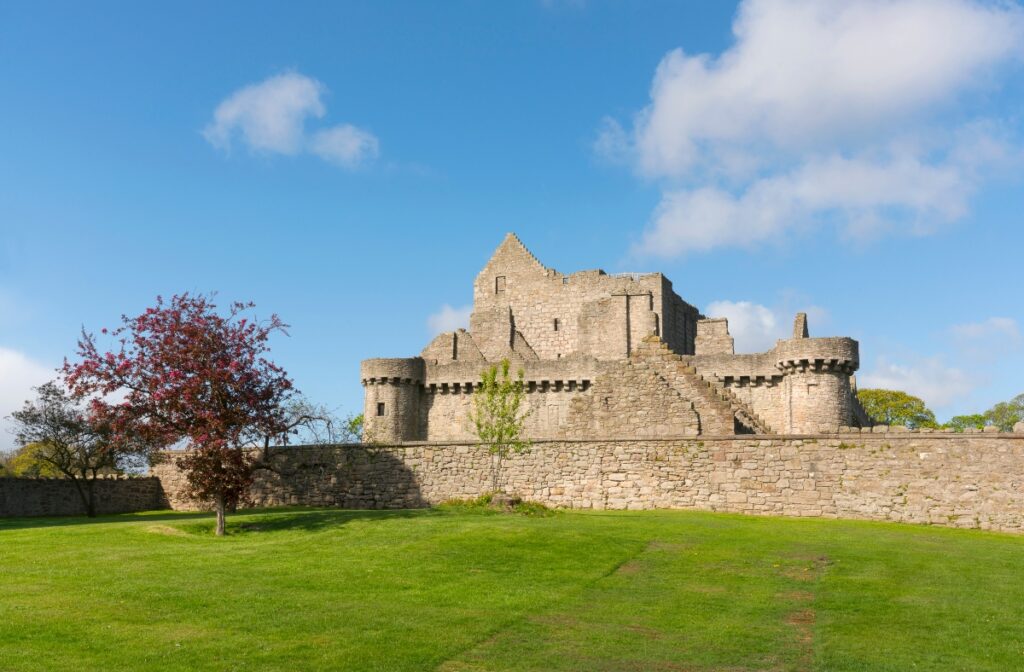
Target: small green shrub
column 486, row 503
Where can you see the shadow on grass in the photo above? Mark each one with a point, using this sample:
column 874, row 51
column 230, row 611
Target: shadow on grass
column 67, row 521
column 307, row 520
column 245, row 520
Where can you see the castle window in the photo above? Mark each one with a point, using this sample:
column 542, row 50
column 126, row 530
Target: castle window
column 499, row 284
column 556, row 324
column 380, row 408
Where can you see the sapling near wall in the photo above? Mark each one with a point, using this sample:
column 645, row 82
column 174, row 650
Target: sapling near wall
column 498, row 416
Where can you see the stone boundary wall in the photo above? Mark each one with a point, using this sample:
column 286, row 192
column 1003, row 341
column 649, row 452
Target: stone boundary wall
column 973, row 480
column 58, row 496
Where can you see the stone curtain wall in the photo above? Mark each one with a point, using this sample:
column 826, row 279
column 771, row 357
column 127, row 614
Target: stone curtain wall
column 959, row 480
column 58, row 497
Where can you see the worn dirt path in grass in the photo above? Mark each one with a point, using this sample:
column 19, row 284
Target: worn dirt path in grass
column 804, row 615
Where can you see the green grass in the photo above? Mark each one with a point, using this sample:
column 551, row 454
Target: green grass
column 462, row 588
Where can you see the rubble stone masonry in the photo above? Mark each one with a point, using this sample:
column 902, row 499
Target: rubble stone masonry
column 973, row 480
column 609, row 355
column 58, row 496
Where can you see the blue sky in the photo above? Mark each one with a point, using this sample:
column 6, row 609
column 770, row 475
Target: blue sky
column 351, row 166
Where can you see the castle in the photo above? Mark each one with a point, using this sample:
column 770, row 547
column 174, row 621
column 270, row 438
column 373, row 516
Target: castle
column 609, row 356
column 637, row 401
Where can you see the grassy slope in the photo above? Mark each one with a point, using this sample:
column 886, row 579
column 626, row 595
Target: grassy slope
column 460, row 590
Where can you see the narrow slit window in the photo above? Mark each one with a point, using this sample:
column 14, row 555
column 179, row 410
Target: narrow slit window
column 380, row 408
column 499, row 284
column 556, row 324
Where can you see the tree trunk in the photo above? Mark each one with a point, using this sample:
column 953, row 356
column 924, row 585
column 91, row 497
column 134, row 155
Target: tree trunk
column 88, row 501
column 220, row 516
column 496, row 473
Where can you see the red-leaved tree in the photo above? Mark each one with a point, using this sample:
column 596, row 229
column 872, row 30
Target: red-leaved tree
column 189, row 374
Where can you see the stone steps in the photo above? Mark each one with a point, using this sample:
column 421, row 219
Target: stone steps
column 712, row 394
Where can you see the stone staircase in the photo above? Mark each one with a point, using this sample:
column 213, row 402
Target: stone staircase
column 721, row 412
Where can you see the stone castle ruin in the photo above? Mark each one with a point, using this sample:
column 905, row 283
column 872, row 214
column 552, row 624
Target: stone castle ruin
column 609, row 356
column 637, row 401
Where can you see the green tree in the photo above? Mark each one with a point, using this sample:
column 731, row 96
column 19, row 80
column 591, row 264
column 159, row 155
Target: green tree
column 80, row 443
column 1006, row 414
column 959, row 423
column 31, row 462
column 498, row 416
column 353, row 429
column 892, row 407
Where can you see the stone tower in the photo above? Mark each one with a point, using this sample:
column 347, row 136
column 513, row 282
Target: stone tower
column 391, row 409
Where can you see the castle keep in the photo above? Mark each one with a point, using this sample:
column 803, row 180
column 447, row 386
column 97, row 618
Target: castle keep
column 609, row 356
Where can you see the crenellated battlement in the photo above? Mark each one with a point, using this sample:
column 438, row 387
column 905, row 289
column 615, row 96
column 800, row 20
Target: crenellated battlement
column 818, row 354
column 529, row 386
column 382, row 371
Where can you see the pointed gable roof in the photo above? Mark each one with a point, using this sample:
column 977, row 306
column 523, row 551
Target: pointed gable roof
column 512, row 252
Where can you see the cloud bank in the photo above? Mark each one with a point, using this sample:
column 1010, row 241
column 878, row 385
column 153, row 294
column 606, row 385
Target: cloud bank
column 980, row 348
column 929, row 378
column 846, row 111
column 270, row 118
column 994, row 327
column 754, row 327
column 18, row 375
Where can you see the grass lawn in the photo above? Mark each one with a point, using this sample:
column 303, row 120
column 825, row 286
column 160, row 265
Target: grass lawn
column 457, row 589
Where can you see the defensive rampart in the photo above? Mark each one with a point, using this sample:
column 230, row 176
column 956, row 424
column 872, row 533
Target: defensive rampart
column 961, row 480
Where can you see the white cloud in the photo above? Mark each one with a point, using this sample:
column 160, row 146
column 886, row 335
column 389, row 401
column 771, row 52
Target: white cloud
column 345, row 145
column 929, row 378
column 449, row 319
column 867, row 194
column 18, row 375
column 270, row 118
column 1000, row 327
column 761, row 138
column 987, row 341
column 802, row 71
column 753, row 327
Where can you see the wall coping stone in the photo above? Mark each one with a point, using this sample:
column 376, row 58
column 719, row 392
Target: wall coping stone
column 905, row 435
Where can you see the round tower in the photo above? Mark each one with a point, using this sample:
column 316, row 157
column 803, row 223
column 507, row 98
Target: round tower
column 391, row 409
column 818, row 394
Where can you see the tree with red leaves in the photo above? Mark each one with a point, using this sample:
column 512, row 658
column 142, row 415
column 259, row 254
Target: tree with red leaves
column 190, row 374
